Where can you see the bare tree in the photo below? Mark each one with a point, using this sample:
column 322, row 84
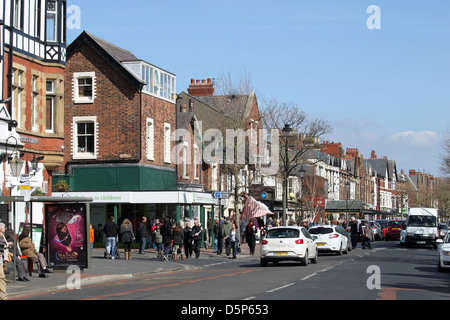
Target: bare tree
column 306, row 133
column 445, row 156
column 234, row 98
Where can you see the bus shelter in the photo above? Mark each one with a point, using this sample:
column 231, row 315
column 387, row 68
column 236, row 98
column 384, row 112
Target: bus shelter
column 70, row 214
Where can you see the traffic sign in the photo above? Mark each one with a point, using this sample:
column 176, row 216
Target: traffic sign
column 221, row 194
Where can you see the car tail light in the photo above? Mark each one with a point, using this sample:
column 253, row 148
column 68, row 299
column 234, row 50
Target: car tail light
column 299, row 241
column 264, row 242
column 332, row 236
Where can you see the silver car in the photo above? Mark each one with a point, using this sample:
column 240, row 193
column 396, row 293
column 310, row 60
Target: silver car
column 378, row 233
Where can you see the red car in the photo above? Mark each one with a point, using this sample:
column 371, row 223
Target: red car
column 393, row 229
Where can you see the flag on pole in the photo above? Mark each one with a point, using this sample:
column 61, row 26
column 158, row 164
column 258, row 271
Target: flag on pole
column 254, row 209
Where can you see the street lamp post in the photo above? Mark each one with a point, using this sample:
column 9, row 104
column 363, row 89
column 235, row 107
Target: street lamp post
column 347, row 189
column 287, row 130
column 302, row 174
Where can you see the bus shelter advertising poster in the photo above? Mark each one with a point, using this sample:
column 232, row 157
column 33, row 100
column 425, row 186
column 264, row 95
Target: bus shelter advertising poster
column 67, row 234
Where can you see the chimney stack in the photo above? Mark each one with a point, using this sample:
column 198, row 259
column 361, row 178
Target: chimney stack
column 201, row 87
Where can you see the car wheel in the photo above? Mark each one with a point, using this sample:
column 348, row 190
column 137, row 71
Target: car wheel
column 339, row 253
column 304, row 260
column 314, row 260
column 439, row 266
column 264, row 263
column 346, row 249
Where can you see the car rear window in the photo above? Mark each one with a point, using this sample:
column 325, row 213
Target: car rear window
column 321, row 230
column 283, row 233
column 396, row 223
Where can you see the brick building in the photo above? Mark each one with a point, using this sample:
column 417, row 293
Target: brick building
column 32, row 60
column 119, row 122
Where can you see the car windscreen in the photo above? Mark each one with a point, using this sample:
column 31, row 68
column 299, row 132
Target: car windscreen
column 283, row 233
column 422, row 221
column 321, row 230
column 383, row 223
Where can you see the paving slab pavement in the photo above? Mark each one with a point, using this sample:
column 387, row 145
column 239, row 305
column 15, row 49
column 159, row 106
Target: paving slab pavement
column 105, row 270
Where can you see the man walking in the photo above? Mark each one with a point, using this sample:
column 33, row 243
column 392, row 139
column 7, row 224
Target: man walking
column 111, row 230
column 353, row 232
column 141, row 233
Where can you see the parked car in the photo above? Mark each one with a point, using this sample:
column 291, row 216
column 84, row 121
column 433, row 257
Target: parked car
column 443, row 230
column 383, row 223
column 288, row 243
column 331, row 238
column 377, row 230
column 444, row 253
column 394, row 228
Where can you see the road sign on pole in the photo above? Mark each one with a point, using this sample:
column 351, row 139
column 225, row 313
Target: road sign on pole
column 221, row 194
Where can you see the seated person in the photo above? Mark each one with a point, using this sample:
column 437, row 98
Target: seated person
column 27, row 248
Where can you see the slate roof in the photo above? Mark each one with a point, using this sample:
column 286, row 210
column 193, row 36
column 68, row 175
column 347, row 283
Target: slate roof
column 111, row 53
column 118, row 53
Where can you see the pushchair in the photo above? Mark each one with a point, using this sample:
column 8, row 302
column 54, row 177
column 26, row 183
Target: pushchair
column 171, row 254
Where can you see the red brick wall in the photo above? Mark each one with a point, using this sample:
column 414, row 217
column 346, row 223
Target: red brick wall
column 118, row 109
column 38, row 142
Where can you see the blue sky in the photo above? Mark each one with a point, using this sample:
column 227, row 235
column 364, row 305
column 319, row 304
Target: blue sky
column 384, row 89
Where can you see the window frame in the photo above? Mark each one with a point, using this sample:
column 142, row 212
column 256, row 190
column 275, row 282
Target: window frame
column 84, row 155
column 150, row 139
column 167, row 144
column 76, row 87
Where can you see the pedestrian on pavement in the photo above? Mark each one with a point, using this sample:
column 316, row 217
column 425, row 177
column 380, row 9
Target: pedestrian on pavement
column 251, row 236
column 178, row 241
column 353, row 232
column 216, row 234
column 27, row 248
column 4, row 256
column 111, row 230
column 158, row 240
column 227, row 226
column 166, row 232
column 127, row 237
column 220, row 237
column 141, row 234
column 187, row 231
column 367, row 234
column 151, row 244
column 197, row 234
column 92, row 237
column 20, row 265
column 242, row 227
column 234, row 239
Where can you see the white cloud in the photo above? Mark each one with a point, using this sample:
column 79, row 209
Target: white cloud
column 422, row 138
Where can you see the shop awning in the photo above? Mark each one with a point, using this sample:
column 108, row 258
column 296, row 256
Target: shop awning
column 254, row 209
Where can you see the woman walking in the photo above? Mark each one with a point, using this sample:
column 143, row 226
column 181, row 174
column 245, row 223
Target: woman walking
column 158, row 241
column 234, row 239
column 251, row 236
column 127, row 237
column 178, row 240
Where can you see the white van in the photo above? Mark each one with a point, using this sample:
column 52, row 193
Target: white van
column 422, row 227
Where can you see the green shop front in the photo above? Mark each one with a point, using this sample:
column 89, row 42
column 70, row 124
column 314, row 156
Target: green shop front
column 131, row 192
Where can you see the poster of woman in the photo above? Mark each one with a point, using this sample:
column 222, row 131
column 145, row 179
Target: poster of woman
column 67, row 234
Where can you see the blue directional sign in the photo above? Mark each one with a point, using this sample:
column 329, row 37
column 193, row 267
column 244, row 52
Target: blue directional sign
column 221, row 194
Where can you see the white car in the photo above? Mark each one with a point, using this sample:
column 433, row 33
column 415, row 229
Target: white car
column 331, row 238
column 444, row 253
column 288, row 243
